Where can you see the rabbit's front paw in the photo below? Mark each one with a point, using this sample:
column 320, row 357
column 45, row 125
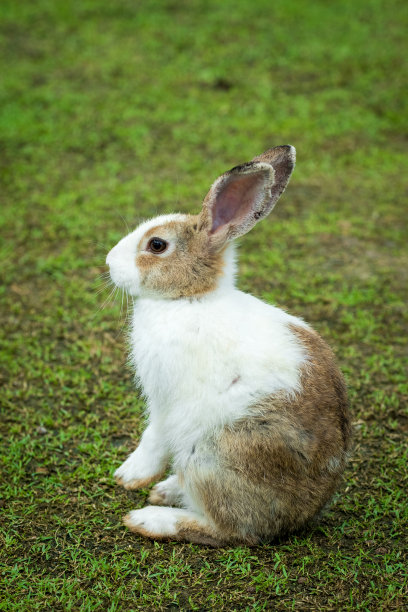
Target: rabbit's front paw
column 138, row 471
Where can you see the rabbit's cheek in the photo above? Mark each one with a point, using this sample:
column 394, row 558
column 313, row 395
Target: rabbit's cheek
column 126, row 278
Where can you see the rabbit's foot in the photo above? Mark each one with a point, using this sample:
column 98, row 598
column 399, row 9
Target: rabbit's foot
column 138, row 471
column 137, row 483
column 165, row 523
column 167, row 493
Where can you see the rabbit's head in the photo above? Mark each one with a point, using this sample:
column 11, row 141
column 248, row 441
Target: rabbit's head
column 178, row 255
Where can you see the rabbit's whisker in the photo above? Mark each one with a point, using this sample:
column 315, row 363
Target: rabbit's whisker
column 108, row 299
column 104, row 287
column 125, row 222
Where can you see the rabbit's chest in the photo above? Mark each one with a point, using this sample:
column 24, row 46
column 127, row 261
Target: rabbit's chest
column 187, row 370
column 199, row 369
column 172, row 357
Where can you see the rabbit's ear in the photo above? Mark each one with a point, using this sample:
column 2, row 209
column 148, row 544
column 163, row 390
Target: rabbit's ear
column 244, row 195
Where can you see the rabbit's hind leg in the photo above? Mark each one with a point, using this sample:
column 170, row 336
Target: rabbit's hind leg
column 166, row 523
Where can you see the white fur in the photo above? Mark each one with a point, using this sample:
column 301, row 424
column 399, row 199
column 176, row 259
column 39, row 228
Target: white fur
column 148, row 460
column 161, row 521
column 203, row 362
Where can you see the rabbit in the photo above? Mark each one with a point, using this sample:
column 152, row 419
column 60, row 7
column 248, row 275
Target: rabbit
column 245, row 402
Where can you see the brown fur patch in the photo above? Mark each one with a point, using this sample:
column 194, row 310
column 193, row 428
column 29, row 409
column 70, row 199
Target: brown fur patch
column 193, row 268
column 323, row 385
column 273, row 471
column 193, row 531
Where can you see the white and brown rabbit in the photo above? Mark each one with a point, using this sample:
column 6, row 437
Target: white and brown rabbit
column 245, row 402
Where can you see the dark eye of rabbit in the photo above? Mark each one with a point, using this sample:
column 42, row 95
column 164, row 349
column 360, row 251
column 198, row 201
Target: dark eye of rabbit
column 157, row 245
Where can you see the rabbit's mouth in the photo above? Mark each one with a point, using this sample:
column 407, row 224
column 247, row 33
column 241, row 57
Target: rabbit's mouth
column 121, row 279
column 124, row 278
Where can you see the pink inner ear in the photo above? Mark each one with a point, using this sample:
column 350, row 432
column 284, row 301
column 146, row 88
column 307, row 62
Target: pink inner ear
column 236, row 199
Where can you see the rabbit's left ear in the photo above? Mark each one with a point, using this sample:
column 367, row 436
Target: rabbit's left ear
column 242, row 196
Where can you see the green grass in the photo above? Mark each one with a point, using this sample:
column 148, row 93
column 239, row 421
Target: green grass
column 127, row 109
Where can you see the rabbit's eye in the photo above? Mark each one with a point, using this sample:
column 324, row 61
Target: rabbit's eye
column 157, row 245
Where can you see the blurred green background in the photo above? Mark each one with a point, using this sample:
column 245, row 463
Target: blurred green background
column 113, row 112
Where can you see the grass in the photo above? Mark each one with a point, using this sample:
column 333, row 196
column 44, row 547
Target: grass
column 118, row 111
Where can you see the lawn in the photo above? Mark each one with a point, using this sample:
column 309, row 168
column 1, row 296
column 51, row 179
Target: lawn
column 115, row 111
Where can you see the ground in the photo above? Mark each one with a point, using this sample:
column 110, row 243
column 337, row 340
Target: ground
column 113, row 112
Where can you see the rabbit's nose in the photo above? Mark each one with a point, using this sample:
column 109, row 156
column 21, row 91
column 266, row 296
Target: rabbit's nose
column 110, row 257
